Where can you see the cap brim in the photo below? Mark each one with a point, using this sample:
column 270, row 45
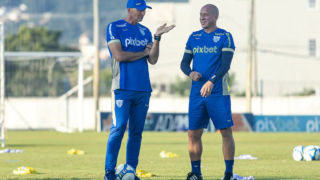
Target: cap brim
column 143, row 8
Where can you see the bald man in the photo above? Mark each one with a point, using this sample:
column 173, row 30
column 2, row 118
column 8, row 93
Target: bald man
column 211, row 50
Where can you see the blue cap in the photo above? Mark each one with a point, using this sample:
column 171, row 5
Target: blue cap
column 138, row 4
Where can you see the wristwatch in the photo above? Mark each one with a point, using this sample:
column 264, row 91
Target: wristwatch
column 158, row 38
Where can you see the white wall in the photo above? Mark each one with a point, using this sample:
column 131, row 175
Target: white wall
column 50, row 113
column 283, row 32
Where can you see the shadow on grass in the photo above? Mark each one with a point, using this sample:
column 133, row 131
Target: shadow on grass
column 164, row 143
column 291, row 178
column 175, row 178
column 8, row 146
column 56, row 178
column 21, row 145
column 219, row 178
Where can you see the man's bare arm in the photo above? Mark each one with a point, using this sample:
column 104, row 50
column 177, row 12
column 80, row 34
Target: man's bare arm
column 154, row 52
column 126, row 56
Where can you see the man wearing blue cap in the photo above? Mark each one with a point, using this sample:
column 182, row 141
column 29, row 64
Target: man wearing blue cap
column 131, row 47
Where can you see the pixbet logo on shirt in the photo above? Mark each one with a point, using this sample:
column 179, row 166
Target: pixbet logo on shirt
column 121, row 25
column 205, row 49
column 136, row 42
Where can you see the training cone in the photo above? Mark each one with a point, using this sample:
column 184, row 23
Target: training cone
column 143, row 173
column 74, row 151
column 24, row 170
column 165, row 154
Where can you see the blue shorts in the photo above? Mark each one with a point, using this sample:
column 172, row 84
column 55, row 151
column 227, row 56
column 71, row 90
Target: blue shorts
column 131, row 105
column 201, row 109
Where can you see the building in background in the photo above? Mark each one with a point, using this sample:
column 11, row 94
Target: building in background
column 287, row 34
column 287, row 37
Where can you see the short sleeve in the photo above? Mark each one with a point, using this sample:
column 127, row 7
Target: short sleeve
column 189, row 45
column 112, row 34
column 150, row 40
column 228, row 44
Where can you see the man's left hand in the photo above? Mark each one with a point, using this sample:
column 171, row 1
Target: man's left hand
column 206, row 89
column 164, row 29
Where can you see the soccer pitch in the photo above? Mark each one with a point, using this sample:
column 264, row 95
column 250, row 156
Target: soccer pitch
column 46, row 152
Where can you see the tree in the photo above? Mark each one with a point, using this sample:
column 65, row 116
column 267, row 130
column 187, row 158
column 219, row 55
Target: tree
column 181, row 86
column 305, row 92
column 232, row 81
column 37, row 78
column 105, row 83
column 35, row 39
column 10, row 3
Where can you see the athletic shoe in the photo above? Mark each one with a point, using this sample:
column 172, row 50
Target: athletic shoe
column 194, row 176
column 228, row 176
column 109, row 175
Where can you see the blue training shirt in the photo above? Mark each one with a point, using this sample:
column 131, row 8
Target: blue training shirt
column 206, row 49
column 134, row 75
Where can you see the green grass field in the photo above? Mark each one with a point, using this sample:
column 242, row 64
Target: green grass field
column 46, row 151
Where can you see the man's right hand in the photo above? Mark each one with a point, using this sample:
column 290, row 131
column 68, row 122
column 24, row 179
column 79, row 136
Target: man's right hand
column 195, row 76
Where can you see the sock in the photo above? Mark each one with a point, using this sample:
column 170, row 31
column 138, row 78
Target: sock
column 196, row 167
column 229, row 166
